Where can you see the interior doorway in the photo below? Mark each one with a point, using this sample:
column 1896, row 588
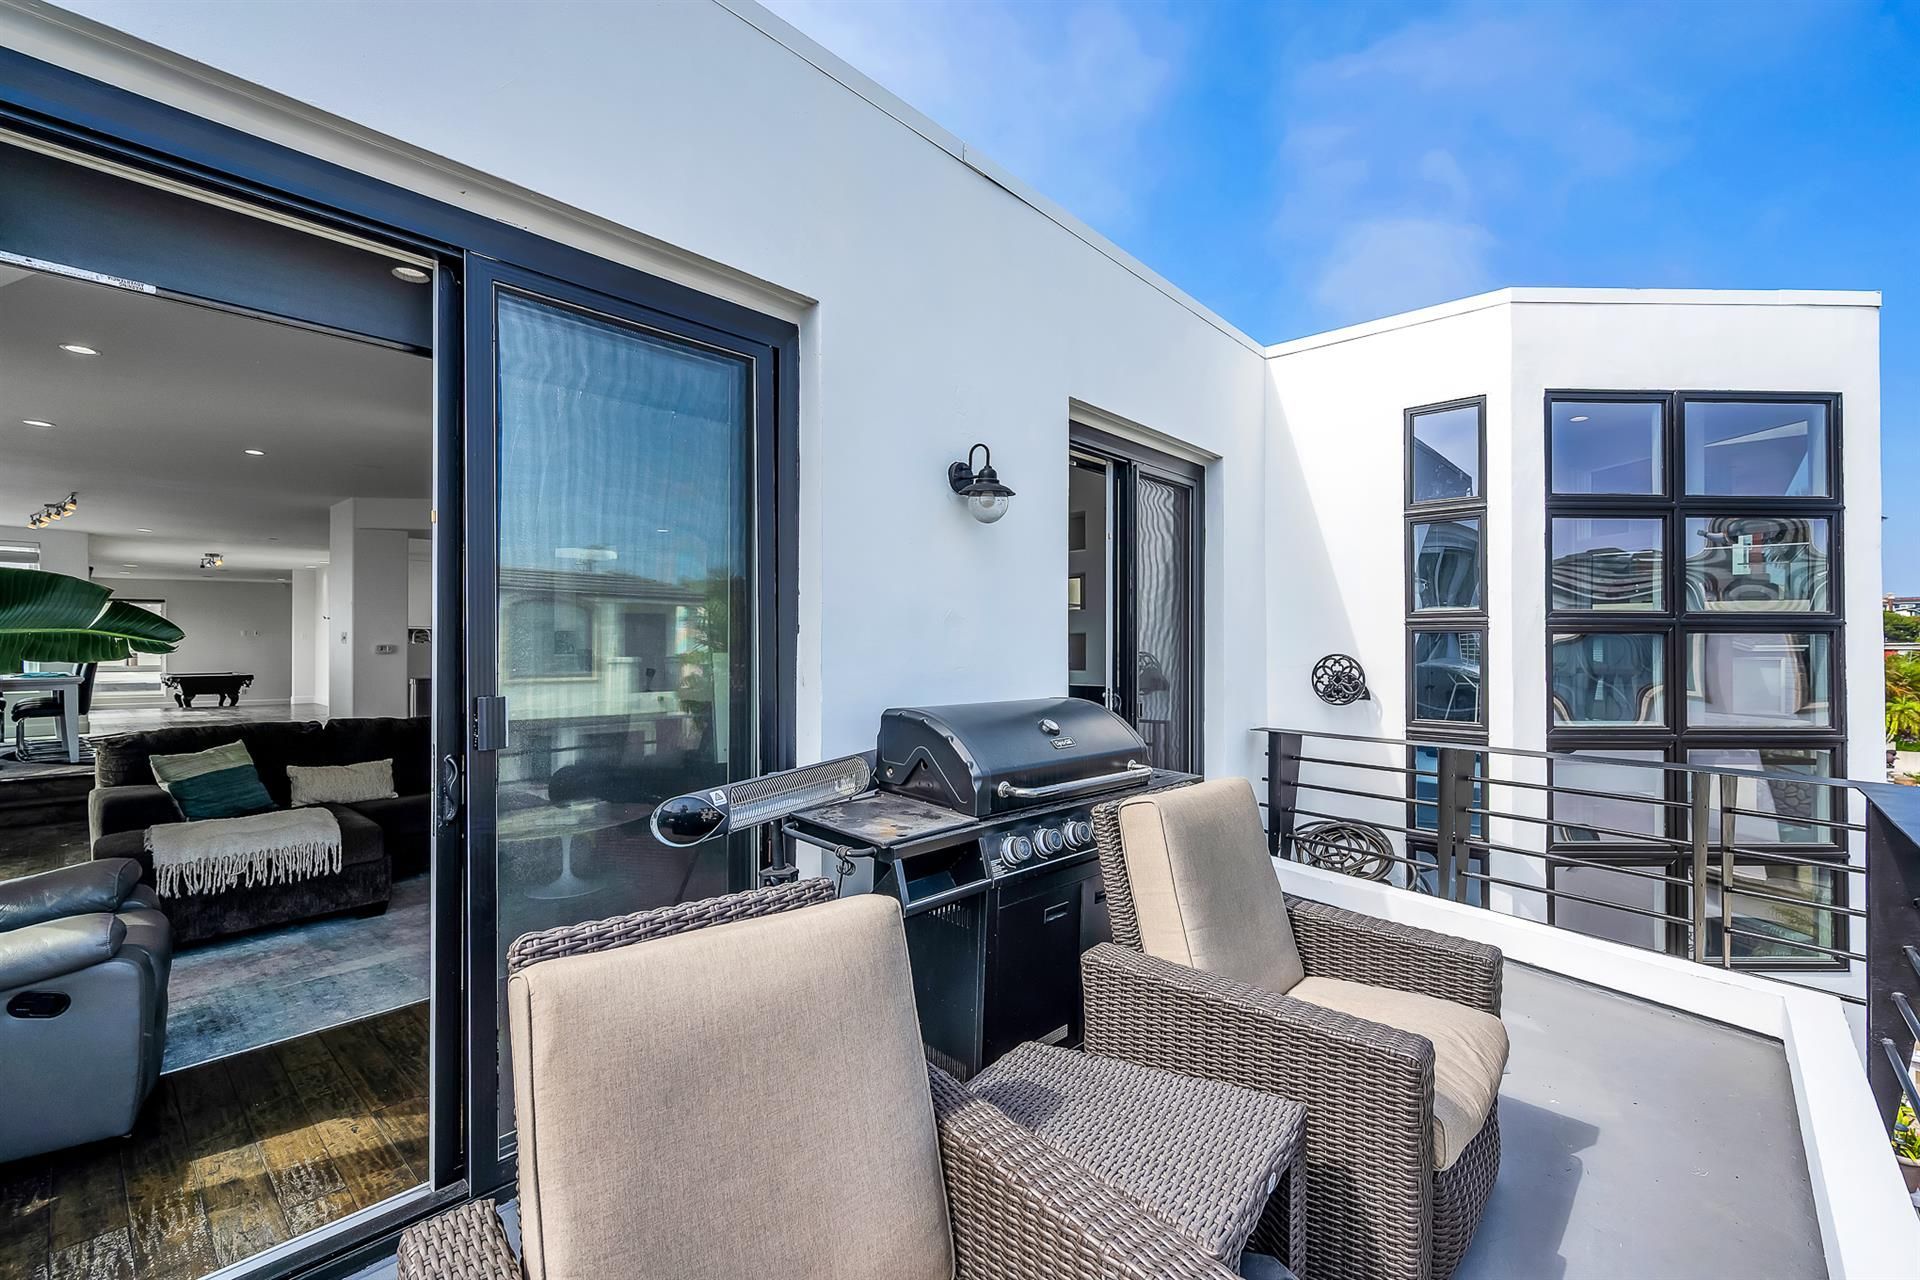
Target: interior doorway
column 1133, row 589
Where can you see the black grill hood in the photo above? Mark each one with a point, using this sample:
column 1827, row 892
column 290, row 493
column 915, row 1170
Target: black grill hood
column 986, row 758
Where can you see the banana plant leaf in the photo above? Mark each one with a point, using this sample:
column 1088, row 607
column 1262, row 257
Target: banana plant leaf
column 50, row 617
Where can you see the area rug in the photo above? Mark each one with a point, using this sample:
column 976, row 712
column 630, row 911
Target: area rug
column 241, row 993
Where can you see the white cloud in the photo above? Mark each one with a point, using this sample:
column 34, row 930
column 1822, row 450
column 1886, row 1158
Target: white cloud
column 1062, row 95
column 1384, row 265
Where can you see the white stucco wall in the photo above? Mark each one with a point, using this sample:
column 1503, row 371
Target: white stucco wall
column 937, row 307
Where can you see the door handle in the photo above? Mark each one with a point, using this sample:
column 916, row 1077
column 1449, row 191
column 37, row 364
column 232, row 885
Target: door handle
column 450, row 789
column 1056, row 913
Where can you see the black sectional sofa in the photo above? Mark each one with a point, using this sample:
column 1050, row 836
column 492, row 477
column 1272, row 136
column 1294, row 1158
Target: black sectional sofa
column 381, row 840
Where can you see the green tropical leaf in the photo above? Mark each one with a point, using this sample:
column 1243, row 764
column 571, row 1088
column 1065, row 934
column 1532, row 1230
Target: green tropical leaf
column 50, row 617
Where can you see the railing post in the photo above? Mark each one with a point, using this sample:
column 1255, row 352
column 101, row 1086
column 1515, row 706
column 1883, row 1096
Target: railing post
column 1892, row 933
column 1700, row 816
column 1283, row 790
column 1729, row 801
column 1452, row 823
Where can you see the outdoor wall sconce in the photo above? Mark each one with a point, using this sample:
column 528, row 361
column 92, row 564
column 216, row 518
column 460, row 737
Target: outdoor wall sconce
column 987, row 498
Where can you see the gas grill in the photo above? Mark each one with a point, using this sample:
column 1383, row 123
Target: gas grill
column 981, row 827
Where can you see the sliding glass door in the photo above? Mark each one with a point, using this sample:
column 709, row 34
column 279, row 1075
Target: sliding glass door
column 614, row 592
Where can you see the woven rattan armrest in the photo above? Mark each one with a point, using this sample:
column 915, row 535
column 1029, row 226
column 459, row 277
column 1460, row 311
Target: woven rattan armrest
column 464, row 1243
column 1368, row 1090
column 1019, row 1208
column 1336, row 943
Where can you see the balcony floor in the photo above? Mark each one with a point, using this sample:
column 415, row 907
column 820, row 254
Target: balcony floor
column 1636, row 1141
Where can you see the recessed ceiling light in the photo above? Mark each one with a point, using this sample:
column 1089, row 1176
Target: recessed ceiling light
column 256, row 453
column 1578, row 417
column 412, row 275
column 79, row 349
column 36, row 422
column 143, row 531
column 309, row 566
column 129, row 566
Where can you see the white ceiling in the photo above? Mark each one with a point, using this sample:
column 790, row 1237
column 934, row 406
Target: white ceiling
column 152, row 431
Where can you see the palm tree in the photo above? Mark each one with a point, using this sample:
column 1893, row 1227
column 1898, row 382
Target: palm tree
column 1903, row 718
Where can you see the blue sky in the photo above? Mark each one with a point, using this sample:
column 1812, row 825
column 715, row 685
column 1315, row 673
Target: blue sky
column 1299, row 166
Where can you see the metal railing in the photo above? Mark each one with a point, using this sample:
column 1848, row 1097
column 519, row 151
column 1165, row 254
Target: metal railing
column 1764, row 871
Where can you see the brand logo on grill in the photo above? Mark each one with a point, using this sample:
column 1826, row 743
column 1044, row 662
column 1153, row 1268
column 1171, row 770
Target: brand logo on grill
column 1061, row 744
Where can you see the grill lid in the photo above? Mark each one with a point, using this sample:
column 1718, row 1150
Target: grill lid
column 985, row 758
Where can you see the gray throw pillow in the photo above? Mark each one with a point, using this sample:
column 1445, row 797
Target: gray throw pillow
column 340, row 783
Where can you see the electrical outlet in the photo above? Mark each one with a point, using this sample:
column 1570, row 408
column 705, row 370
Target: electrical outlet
column 386, row 648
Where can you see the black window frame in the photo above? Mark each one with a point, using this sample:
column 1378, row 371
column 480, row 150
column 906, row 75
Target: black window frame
column 1676, row 622
column 1473, row 620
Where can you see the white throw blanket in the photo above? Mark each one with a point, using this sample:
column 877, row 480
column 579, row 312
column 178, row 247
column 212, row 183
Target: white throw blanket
column 261, row 849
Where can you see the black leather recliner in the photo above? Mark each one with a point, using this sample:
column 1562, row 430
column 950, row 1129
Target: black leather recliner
column 84, row 958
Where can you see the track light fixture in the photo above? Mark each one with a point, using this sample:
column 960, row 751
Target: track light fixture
column 212, row 560
column 52, row 511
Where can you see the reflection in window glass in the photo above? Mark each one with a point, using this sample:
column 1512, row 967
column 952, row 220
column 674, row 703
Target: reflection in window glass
column 1446, row 676
column 1763, row 679
column 1634, row 892
column 1608, row 564
column 1426, row 877
column 1757, row 564
column 1604, row 447
column 1426, row 790
column 1446, row 454
column 1796, row 809
column 1754, row 449
column 1766, row 930
column 1602, row 678
column 1628, row 792
column 1446, row 564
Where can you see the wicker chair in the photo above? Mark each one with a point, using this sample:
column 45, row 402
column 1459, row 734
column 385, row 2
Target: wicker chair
column 1391, row 1194
column 841, row 1164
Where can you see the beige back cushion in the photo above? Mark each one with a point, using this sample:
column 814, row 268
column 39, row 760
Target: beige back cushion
column 743, row 1100
column 1203, row 884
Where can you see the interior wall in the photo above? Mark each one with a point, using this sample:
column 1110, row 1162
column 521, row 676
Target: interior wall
column 63, row 551
column 309, row 608
column 230, row 626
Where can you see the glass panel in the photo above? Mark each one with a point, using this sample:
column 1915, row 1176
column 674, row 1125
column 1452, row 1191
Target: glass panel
column 1446, row 564
column 1163, row 577
column 1608, row 565
column 1090, row 561
column 1609, row 678
column 1426, row 790
column 1772, row 450
column 1446, row 676
column 1779, row 924
column 1446, row 454
column 1605, row 447
column 1757, row 564
column 1628, row 789
column 624, row 611
column 1764, row 679
column 1616, row 924
column 1807, row 801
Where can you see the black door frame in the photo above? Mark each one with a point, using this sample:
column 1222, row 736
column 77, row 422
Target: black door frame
column 54, row 105
column 490, row 1161
column 1129, row 460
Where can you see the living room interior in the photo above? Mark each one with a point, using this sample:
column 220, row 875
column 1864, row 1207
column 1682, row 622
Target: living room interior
column 262, row 483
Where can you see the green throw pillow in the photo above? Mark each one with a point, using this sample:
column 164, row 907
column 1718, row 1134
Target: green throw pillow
column 219, row 782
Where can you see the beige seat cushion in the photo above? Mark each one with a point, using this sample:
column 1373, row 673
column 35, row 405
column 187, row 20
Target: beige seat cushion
column 1469, row 1052
column 745, row 1099
column 1203, row 884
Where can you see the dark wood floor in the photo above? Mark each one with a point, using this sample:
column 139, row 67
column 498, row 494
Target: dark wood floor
column 229, row 1158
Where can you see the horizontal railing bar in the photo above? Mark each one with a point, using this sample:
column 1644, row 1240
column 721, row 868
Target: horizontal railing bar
column 1713, row 874
column 1382, row 797
column 1798, row 946
column 1664, row 842
column 1574, row 897
column 1662, row 876
column 1360, row 764
column 1905, row 1007
column 1384, row 826
column 1615, row 796
column 1904, row 1071
column 1913, row 958
column 1835, row 824
column 1836, row 863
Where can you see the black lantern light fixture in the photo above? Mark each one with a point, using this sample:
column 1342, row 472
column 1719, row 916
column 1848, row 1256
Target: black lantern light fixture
column 987, row 499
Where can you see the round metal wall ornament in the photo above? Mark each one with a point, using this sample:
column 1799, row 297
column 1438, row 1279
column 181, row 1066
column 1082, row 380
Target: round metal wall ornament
column 1339, row 680
column 1351, row 848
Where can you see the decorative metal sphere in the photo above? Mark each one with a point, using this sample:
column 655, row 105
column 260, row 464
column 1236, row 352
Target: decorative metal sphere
column 1351, row 848
column 1339, row 680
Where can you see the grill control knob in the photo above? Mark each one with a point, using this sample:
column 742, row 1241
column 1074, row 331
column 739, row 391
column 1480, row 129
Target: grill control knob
column 1048, row 841
column 1016, row 851
column 1079, row 833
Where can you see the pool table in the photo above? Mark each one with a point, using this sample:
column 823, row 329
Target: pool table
column 226, row 685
